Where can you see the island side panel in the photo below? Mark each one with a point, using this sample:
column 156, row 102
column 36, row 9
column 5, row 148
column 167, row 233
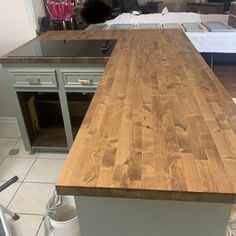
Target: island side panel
column 132, row 217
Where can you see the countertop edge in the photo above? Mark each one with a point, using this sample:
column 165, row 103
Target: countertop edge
column 12, row 60
column 171, row 195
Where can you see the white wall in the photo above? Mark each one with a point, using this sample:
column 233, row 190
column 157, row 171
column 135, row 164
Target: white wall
column 17, row 26
column 39, row 10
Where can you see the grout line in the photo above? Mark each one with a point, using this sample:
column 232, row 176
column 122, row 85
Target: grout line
column 39, row 228
column 23, row 157
column 10, row 137
column 2, row 160
column 14, row 193
column 36, row 158
column 8, row 120
column 21, row 183
column 19, row 157
column 17, row 142
column 29, row 170
column 51, row 158
column 33, row 182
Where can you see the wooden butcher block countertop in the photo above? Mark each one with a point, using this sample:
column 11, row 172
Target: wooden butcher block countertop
column 160, row 126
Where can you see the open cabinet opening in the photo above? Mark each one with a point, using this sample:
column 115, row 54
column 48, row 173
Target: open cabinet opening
column 43, row 118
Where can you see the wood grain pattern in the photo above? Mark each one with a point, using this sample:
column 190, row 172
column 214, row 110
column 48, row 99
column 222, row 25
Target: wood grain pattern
column 226, row 75
column 160, row 126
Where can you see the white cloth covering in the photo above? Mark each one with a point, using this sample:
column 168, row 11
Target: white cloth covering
column 213, row 42
column 218, row 42
column 168, row 17
column 161, row 18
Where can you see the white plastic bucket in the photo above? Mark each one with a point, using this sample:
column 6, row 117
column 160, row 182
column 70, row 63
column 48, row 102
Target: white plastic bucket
column 65, row 221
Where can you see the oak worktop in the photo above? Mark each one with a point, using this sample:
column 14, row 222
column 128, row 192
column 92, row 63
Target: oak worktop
column 160, row 125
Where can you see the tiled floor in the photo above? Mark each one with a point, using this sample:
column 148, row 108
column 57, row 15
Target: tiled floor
column 37, row 175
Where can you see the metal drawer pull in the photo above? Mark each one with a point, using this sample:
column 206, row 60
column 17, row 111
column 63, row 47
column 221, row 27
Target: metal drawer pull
column 33, row 81
column 85, row 81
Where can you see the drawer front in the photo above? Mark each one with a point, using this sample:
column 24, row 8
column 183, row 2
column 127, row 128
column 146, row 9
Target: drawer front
column 34, row 78
column 81, row 79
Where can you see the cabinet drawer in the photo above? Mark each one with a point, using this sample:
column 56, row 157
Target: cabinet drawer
column 81, row 79
column 45, row 78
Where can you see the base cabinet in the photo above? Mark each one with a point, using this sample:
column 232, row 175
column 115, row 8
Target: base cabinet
column 51, row 101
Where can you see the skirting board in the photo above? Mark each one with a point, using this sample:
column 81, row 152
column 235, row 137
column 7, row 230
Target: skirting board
column 8, row 120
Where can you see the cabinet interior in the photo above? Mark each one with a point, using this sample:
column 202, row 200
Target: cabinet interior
column 43, row 116
column 78, row 104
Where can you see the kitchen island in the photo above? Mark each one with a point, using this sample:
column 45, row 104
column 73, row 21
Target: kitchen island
column 156, row 152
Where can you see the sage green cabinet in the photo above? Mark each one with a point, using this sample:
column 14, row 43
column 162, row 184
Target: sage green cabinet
column 33, row 78
column 51, row 100
column 85, row 80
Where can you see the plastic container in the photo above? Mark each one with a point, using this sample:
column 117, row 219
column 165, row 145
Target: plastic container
column 65, row 221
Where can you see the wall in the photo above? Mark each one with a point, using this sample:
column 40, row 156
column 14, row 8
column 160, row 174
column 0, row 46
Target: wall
column 17, row 25
column 39, row 10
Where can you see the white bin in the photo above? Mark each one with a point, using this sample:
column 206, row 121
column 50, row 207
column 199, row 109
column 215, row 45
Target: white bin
column 65, row 221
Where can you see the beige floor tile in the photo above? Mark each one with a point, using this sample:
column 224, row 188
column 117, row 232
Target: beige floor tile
column 27, row 225
column 7, row 194
column 6, row 144
column 44, row 171
column 31, row 198
column 9, row 130
column 13, row 166
column 53, row 155
column 22, row 151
